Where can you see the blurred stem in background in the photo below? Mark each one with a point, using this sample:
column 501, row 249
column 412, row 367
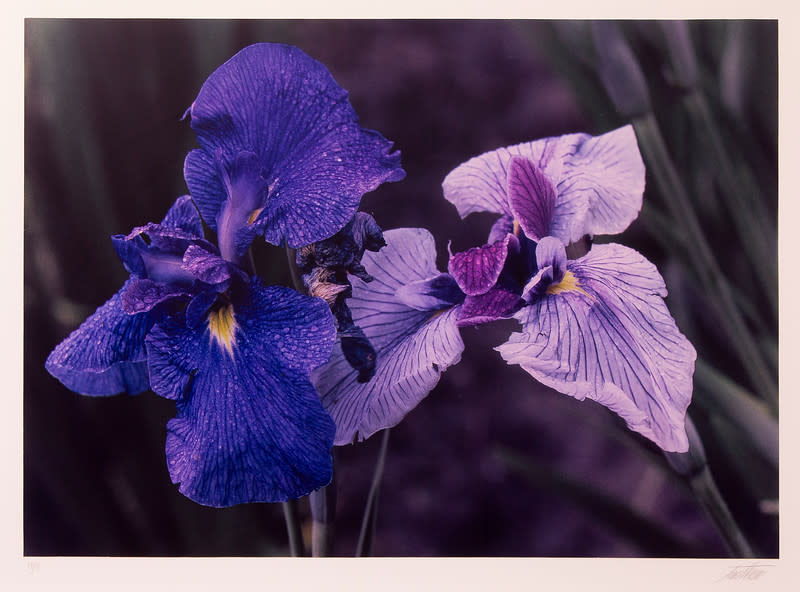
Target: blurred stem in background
column 703, row 106
column 367, row 534
column 291, row 515
column 323, row 513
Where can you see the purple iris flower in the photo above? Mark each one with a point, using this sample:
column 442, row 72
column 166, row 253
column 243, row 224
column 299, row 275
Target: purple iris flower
column 282, row 154
column 408, row 313
column 593, row 327
column 234, row 355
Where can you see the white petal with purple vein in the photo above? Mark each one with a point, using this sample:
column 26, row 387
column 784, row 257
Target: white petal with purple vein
column 413, row 347
column 612, row 340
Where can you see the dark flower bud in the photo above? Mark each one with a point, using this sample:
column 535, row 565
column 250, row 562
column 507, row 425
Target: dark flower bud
column 325, row 266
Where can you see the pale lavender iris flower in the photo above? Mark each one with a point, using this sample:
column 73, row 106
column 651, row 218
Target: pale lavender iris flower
column 593, row 327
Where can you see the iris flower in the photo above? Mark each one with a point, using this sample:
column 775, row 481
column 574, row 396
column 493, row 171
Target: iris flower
column 408, row 315
column 282, row 155
column 233, row 354
column 595, row 326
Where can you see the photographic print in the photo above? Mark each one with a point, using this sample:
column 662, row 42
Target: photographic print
column 401, row 288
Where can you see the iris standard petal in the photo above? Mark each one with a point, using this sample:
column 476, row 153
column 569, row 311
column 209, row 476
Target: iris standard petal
column 184, row 215
column 599, row 182
column 476, row 270
column 481, row 183
column 531, row 197
column 606, row 334
column 277, row 102
column 608, row 175
column 249, row 425
column 413, row 346
column 106, row 354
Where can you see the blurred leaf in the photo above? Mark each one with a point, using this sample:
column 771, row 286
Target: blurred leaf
column 617, row 516
column 720, row 395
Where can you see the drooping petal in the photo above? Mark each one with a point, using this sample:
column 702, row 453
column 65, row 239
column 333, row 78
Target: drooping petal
column 277, row 102
column 605, row 334
column 106, row 354
column 142, row 295
column 249, row 424
column 476, row 270
column 413, row 346
column 531, row 197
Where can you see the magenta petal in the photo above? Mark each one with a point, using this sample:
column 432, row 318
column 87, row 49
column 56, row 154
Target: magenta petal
column 497, row 303
column 413, row 346
column 531, row 197
column 610, row 338
column 477, row 269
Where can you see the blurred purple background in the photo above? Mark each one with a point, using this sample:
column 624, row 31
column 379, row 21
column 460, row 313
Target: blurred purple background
column 104, row 151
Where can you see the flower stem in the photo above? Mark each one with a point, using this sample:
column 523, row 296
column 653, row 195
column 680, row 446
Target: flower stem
column 693, row 466
column 367, row 534
column 296, row 279
column 706, row 491
column 323, row 511
column 291, row 515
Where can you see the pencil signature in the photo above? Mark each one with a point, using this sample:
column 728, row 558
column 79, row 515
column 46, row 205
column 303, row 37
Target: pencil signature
column 752, row 571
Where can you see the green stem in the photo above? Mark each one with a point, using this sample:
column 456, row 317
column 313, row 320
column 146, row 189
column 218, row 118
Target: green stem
column 367, row 534
column 693, row 466
column 297, row 281
column 323, row 511
column 708, row 494
column 701, row 256
column 292, row 517
column 723, row 397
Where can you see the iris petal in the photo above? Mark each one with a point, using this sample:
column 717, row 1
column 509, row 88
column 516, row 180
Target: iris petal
column 531, row 197
column 477, row 269
column 413, row 346
column 611, row 338
column 607, row 174
column 599, row 182
column 277, row 102
column 249, row 425
column 106, row 354
column 481, row 183
column 498, row 303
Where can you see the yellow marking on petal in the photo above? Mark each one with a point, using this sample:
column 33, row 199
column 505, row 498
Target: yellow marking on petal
column 222, row 326
column 516, row 228
column 254, row 215
column 569, row 283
